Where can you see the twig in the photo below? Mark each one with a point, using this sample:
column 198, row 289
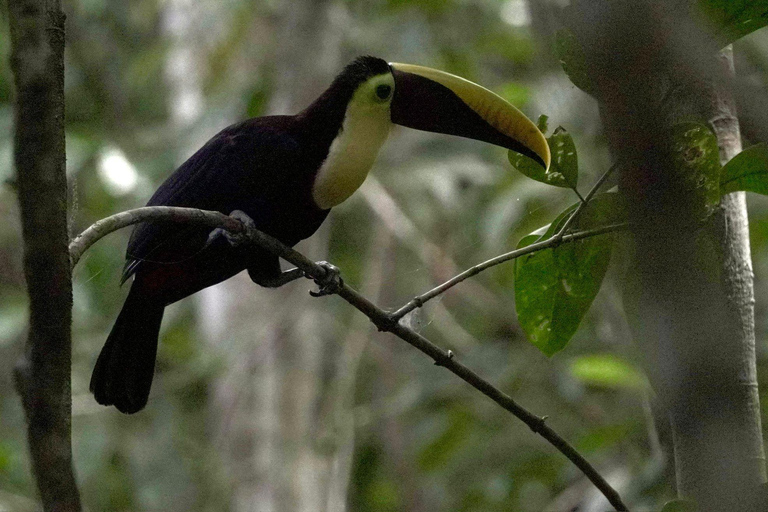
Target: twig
column 555, row 240
column 585, row 201
column 378, row 316
column 551, row 242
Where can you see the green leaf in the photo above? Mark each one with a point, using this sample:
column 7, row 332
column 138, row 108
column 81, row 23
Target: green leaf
column 564, row 169
column 555, row 287
column 746, row 171
column 736, row 18
column 680, row 506
column 573, row 60
column 696, row 160
column 543, row 123
column 603, row 437
column 608, row 371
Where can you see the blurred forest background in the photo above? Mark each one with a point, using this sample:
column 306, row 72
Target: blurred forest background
column 270, row 400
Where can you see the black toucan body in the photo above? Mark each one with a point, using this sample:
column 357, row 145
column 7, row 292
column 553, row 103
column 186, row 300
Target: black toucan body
column 285, row 173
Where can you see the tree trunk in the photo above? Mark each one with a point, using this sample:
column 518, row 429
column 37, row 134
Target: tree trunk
column 43, row 374
column 689, row 286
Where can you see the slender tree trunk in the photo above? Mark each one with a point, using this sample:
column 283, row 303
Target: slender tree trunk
column 689, row 288
column 43, row 374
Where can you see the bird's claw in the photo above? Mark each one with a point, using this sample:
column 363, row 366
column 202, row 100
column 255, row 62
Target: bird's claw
column 234, row 239
column 331, row 283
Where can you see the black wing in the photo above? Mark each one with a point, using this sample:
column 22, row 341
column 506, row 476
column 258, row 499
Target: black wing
column 243, row 167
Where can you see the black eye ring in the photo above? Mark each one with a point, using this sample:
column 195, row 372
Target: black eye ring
column 383, row 91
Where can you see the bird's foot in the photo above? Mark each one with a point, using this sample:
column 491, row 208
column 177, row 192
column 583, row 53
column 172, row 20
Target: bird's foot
column 331, row 283
column 234, row 239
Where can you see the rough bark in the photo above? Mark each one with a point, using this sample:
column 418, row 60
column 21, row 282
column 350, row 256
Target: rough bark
column 689, row 288
column 43, row 373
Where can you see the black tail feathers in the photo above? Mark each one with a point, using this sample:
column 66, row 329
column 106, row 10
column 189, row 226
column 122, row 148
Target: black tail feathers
column 123, row 373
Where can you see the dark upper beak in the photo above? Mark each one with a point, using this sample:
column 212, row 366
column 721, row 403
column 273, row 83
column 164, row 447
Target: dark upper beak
column 435, row 101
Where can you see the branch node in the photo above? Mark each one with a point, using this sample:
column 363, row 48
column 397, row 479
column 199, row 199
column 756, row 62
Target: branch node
column 538, row 425
column 385, row 325
column 447, row 357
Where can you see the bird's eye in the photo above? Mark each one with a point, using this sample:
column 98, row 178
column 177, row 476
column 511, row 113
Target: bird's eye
column 383, row 91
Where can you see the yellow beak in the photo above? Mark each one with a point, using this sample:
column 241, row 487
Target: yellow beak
column 435, row 101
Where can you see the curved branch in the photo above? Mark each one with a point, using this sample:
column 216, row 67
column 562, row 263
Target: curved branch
column 380, row 318
column 100, row 229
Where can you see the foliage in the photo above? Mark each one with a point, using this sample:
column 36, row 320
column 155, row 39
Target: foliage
column 573, row 60
column 609, row 371
column 555, row 287
column 696, row 163
column 746, row 171
column 564, row 170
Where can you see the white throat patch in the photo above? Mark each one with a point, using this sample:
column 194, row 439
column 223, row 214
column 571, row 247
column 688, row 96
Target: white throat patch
column 351, row 154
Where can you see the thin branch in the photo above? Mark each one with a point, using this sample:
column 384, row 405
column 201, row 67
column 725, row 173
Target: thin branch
column 381, row 319
column 549, row 243
column 585, row 201
column 97, row 231
column 555, row 240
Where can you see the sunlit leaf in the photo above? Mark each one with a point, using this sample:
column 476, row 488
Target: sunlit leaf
column 555, row 287
column 607, row 370
column 564, row 169
column 736, row 18
column 746, row 171
column 573, row 60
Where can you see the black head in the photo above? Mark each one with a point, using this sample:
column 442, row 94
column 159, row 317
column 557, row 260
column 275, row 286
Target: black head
column 332, row 104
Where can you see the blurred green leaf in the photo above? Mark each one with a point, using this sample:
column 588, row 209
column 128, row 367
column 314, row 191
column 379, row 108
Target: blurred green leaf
column 515, row 93
column 603, row 437
column 437, row 453
column 555, row 287
column 573, row 60
column 607, row 370
column 680, row 506
column 543, row 123
column 746, row 171
column 6, row 456
column 736, row 18
column 564, row 169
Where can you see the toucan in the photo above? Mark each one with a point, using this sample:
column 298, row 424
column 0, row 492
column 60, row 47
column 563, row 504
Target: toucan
column 284, row 172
